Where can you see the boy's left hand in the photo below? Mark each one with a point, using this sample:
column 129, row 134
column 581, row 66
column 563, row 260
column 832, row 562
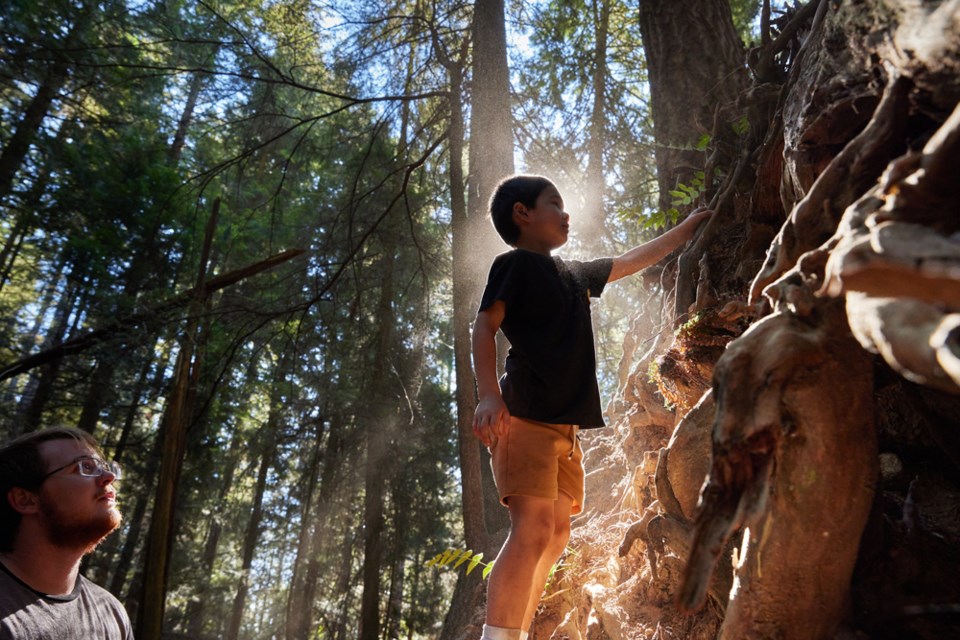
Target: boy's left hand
column 701, row 214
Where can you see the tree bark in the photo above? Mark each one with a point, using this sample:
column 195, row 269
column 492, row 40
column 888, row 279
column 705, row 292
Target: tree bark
column 176, row 421
column 136, row 519
column 490, row 160
column 464, row 294
column 688, row 82
column 474, row 244
column 800, row 404
column 18, row 145
column 303, row 581
column 12, row 246
column 378, row 422
column 593, row 222
column 196, row 614
column 251, row 535
column 186, row 116
column 39, row 388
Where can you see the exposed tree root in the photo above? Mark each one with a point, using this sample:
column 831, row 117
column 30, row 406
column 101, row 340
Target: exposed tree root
column 794, row 462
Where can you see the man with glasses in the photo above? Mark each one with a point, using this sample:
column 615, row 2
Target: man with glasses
column 57, row 502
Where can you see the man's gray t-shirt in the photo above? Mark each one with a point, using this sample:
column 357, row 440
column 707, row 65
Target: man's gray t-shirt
column 88, row 612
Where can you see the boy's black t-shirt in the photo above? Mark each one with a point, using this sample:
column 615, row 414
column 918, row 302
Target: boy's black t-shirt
column 551, row 368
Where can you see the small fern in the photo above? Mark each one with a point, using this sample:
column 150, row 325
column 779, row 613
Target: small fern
column 457, row 557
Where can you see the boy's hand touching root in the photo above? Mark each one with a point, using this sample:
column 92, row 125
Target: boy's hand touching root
column 491, row 420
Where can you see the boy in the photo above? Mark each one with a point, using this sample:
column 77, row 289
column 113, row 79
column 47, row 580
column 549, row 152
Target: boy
column 529, row 419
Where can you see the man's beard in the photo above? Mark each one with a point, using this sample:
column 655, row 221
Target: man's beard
column 71, row 532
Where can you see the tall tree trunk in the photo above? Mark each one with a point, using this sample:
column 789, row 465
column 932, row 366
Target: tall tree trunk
column 196, row 616
column 491, row 160
column 136, row 520
column 29, row 211
column 122, row 566
column 491, row 126
column 28, row 341
column 305, row 567
column 468, row 591
column 186, row 116
column 117, row 450
column 465, row 287
column 379, row 422
column 174, row 425
column 688, row 82
column 693, row 92
column 12, row 246
column 342, row 627
column 592, row 223
column 39, row 388
column 131, row 412
column 474, row 244
column 394, row 615
column 173, row 432
column 98, row 393
column 18, row 145
column 251, row 536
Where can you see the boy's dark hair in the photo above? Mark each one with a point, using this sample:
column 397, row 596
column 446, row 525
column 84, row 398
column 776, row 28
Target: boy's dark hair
column 21, row 465
column 524, row 189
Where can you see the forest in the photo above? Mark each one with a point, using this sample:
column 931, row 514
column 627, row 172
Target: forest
column 242, row 244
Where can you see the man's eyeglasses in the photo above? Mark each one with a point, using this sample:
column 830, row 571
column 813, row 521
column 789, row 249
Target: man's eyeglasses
column 90, row 467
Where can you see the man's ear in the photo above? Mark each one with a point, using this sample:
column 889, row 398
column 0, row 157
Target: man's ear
column 23, row 501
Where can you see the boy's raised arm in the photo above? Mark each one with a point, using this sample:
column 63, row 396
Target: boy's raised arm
column 650, row 253
column 492, row 417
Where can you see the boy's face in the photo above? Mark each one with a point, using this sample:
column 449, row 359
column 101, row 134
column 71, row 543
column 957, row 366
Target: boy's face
column 546, row 226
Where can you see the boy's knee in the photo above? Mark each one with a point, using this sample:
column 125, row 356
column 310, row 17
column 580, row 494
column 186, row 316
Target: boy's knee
column 560, row 538
column 537, row 534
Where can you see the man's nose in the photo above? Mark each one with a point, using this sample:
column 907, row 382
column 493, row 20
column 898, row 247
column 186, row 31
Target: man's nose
column 107, row 477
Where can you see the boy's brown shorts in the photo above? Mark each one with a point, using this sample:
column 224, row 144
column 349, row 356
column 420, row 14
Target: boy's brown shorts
column 540, row 460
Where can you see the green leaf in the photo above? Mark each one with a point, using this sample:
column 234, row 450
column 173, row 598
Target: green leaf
column 678, row 194
column 466, row 556
column 474, row 562
column 453, row 555
column 434, row 560
column 703, row 142
column 741, row 126
column 487, row 569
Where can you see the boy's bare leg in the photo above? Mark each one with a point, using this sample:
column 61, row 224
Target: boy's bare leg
column 558, row 543
column 532, row 524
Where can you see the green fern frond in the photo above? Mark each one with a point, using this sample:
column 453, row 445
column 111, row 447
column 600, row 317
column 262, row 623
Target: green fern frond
column 458, row 557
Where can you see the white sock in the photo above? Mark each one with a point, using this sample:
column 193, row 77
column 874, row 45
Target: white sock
column 524, row 635
column 500, row 633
